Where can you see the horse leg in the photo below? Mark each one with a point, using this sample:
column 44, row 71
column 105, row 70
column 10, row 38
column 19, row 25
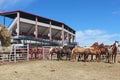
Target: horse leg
column 99, row 57
column 69, row 57
column 51, row 56
column 86, row 57
column 78, row 57
column 107, row 57
column 60, row 55
column 73, row 57
column 91, row 57
column 114, row 58
column 66, row 56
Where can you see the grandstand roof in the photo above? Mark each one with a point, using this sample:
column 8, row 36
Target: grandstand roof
column 13, row 14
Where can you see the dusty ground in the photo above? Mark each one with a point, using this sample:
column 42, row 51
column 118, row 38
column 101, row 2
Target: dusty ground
column 59, row 70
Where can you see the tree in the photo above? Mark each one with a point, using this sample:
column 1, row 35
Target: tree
column 5, row 36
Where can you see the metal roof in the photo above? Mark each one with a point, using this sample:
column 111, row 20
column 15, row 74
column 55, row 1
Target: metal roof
column 13, row 14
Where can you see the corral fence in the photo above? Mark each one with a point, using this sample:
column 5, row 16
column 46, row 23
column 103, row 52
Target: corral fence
column 36, row 52
column 23, row 52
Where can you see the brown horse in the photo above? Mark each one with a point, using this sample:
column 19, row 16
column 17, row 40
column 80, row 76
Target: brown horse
column 103, row 49
column 95, row 45
column 53, row 51
column 33, row 52
column 93, row 50
column 77, row 51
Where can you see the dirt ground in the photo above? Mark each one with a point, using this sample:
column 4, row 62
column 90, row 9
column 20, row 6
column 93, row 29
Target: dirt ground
column 59, row 70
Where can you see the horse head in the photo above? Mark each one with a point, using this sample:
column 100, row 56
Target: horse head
column 95, row 45
column 101, row 45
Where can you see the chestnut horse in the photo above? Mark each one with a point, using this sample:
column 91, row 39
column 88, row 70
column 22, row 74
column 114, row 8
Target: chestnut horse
column 33, row 52
column 103, row 49
column 77, row 51
column 93, row 50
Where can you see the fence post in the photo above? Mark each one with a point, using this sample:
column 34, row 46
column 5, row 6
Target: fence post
column 15, row 54
column 28, row 52
column 43, row 53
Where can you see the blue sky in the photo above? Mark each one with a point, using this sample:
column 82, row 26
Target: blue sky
column 93, row 20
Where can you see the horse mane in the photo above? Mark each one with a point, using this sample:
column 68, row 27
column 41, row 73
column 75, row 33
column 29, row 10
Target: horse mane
column 95, row 44
column 101, row 45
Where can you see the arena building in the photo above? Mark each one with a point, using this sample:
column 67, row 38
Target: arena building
column 27, row 28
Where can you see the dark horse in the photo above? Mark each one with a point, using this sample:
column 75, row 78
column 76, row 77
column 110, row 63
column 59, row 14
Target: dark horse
column 66, row 51
column 60, row 51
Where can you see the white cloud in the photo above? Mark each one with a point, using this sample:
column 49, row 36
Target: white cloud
column 93, row 32
column 8, row 4
column 88, row 37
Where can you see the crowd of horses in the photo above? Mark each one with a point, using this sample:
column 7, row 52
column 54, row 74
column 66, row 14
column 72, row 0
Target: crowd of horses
column 82, row 53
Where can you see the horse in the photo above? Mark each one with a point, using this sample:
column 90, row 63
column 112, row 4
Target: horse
column 95, row 45
column 109, row 53
column 55, row 50
column 93, row 50
column 66, row 51
column 60, row 51
column 33, row 52
column 77, row 51
column 112, row 52
column 103, row 49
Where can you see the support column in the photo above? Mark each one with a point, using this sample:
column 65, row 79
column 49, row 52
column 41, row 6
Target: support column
column 50, row 32
column 4, row 21
column 71, row 38
column 36, row 28
column 74, row 38
column 62, row 33
column 67, row 37
column 28, row 48
column 18, row 24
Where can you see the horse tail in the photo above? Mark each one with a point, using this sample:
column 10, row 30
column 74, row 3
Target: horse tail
column 72, row 53
column 50, row 50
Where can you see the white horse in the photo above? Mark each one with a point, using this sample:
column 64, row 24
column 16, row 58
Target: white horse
column 118, row 47
column 112, row 52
